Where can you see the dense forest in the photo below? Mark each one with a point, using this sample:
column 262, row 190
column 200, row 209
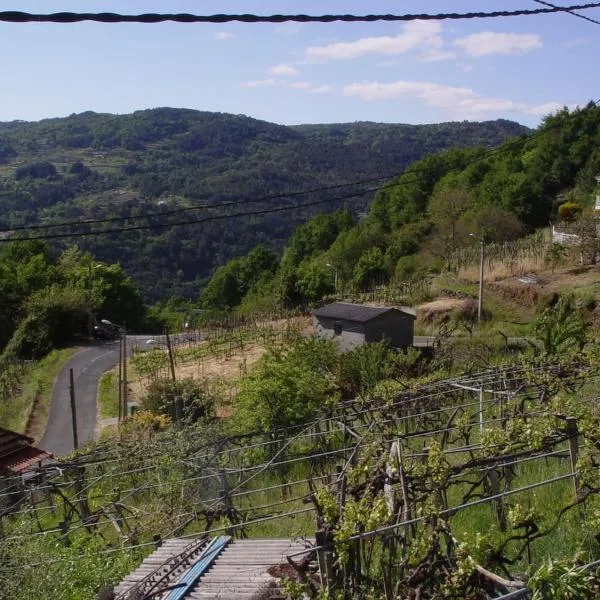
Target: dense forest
column 101, row 166
column 418, row 222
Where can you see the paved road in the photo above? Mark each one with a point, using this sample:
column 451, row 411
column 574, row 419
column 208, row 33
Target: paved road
column 88, row 365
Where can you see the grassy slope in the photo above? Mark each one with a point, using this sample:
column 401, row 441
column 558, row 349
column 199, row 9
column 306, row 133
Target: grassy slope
column 28, row 411
column 108, row 395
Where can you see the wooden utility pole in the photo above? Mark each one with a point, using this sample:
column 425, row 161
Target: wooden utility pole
column 481, row 261
column 171, row 360
column 73, row 409
column 120, row 383
column 125, row 408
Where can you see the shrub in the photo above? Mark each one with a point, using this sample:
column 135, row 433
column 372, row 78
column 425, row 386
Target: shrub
column 185, row 399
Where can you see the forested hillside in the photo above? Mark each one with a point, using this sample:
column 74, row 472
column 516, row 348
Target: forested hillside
column 418, row 222
column 100, row 166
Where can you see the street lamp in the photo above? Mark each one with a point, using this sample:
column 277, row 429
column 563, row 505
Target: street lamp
column 481, row 260
column 122, row 391
column 335, row 271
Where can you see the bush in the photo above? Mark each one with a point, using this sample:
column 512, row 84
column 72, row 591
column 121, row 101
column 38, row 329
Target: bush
column 39, row 170
column 288, row 387
column 185, row 399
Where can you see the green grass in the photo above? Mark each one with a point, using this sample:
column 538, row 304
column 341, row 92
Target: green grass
column 36, row 390
column 108, row 395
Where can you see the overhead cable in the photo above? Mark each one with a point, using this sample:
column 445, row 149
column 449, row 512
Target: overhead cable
column 572, row 12
column 148, row 18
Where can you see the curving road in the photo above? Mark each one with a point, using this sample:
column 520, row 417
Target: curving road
column 88, row 365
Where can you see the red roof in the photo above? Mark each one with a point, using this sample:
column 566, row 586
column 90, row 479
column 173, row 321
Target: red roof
column 17, row 453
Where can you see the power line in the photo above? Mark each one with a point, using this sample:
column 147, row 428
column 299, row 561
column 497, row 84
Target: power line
column 484, row 156
column 71, row 17
column 193, row 221
column 572, row 12
column 202, row 206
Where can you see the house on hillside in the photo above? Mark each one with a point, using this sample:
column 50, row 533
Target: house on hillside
column 17, row 456
column 351, row 325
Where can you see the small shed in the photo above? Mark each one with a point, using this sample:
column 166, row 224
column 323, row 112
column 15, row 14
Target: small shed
column 17, row 456
column 351, row 325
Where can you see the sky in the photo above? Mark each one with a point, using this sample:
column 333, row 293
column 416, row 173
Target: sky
column 519, row 68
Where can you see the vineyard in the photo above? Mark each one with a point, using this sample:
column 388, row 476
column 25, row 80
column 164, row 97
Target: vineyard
column 457, row 488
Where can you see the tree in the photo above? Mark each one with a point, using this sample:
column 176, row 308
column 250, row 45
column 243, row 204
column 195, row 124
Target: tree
column 287, row 386
column 446, row 209
column 315, row 281
column 370, row 268
column 555, row 253
column 495, row 224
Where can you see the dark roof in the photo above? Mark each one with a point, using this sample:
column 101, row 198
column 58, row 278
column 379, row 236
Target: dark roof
column 355, row 312
column 17, row 452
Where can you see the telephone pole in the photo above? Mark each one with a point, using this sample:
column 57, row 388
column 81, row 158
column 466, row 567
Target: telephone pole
column 73, row 409
column 125, row 408
column 481, row 261
column 120, row 382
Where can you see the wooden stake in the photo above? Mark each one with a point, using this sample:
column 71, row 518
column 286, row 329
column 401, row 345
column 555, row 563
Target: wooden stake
column 170, row 350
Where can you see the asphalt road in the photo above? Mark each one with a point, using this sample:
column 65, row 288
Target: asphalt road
column 88, row 365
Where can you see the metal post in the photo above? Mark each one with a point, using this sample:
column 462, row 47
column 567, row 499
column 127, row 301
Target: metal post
column 481, row 260
column 125, row 408
column 573, row 433
column 481, row 411
column 120, row 384
column 73, row 409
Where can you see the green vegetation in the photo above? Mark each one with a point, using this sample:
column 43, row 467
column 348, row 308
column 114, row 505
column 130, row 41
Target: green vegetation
column 422, row 225
column 34, row 394
column 102, row 166
column 50, row 302
column 108, row 395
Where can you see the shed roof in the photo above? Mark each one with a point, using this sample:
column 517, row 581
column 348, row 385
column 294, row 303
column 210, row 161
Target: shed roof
column 358, row 313
column 17, row 453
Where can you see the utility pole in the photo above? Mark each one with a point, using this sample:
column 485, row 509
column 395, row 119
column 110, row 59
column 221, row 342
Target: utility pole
column 120, row 383
column 481, row 261
column 125, row 411
column 81, row 500
column 170, row 350
column 73, row 409
column 481, row 239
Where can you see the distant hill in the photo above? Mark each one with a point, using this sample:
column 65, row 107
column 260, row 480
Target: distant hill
column 97, row 166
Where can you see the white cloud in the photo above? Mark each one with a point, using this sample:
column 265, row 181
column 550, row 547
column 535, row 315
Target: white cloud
column 462, row 102
column 224, row 35
column 322, row 89
column 438, row 55
column 259, row 83
column 415, row 34
column 576, row 42
column 489, row 42
column 311, row 89
column 286, row 70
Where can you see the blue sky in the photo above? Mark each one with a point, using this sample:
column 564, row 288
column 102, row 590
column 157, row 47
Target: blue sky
column 423, row 72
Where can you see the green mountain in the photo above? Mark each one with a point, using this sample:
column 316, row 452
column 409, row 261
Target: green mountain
column 102, row 166
column 423, row 220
